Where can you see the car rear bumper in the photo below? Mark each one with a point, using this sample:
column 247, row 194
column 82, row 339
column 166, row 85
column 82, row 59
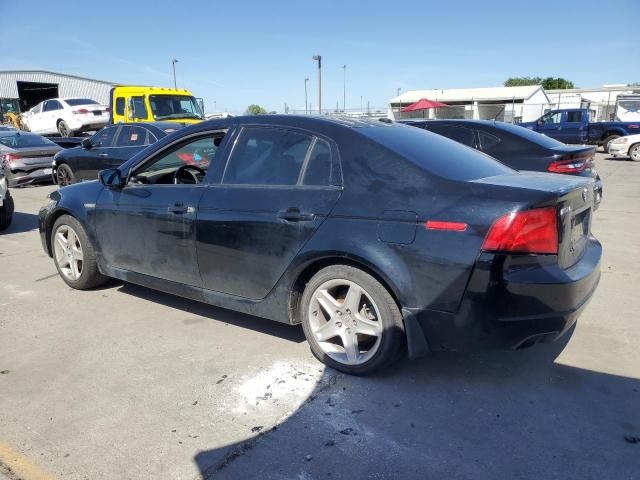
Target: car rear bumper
column 512, row 302
column 40, row 174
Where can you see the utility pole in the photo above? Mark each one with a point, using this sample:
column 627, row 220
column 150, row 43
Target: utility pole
column 344, row 89
column 318, row 58
column 173, row 64
column 360, row 103
column 306, row 105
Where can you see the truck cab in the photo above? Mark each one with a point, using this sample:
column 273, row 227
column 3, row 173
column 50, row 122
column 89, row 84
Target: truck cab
column 154, row 104
column 568, row 126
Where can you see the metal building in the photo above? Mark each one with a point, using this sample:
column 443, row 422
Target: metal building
column 31, row 87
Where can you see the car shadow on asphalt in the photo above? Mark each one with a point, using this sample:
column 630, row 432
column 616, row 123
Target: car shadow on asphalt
column 22, row 222
column 618, row 159
column 292, row 333
column 492, row 414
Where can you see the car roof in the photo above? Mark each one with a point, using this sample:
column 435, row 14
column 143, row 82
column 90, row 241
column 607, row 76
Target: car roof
column 301, row 121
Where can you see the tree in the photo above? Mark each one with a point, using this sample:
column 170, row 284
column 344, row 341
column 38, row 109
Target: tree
column 551, row 83
column 548, row 83
column 254, row 109
column 522, row 81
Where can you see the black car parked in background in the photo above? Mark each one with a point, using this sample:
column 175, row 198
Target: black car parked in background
column 519, row 147
column 108, row 148
column 366, row 233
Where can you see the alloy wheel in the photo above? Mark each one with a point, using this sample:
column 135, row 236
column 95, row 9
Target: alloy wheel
column 68, row 252
column 63, row 178
column 634, row 153
column 345, row 321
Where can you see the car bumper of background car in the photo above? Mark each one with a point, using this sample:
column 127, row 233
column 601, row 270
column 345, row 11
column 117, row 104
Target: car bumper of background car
column 88, row 122
column 510, row 303
column 618, row 149
column 41, row 174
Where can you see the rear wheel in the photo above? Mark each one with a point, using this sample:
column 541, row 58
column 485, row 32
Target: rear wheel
column 607, row 141
column 6, row 212
column 74, row 254
column 64, row 175
column 350, row 320
column 63, row 129
column 634, row 152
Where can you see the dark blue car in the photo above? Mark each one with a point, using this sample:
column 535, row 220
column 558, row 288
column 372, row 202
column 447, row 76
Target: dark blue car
column 368, row 234
column 108, row 148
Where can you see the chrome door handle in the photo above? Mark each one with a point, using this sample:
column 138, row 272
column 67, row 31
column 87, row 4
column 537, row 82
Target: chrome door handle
column 295, row 215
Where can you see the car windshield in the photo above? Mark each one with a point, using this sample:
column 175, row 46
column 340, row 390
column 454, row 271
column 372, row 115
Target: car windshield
column 436, row 154
column 535, row 137
column 24, row 140
column 74, row 102
column 174, row 106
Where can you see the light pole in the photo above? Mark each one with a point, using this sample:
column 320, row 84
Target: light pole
column 344, row 89
column 360, row 103
column 173, row 64
column 306, row 104
column 319, row 59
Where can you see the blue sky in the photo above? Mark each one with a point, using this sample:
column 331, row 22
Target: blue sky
column 242, row 52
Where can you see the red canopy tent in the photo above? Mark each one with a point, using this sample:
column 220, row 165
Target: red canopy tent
column 423, row 104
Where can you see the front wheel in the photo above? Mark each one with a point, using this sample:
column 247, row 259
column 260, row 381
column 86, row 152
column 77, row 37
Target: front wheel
column 634, row 152
column 6, row 212
column 64, row 175
column 350, row 320
column 74, row 255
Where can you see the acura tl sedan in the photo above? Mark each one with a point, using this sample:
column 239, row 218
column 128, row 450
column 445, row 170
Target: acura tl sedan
column 371, row 235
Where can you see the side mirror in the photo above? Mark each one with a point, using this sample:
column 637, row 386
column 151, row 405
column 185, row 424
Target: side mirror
column 540, row 122
column 86, row 143
column 132, row 112
column 111, row 178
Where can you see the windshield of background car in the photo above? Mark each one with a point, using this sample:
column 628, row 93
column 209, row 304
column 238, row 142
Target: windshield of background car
column 25, row 140
column 74, row 102
column 530, row 135
column 174, row 106
column 435, row 153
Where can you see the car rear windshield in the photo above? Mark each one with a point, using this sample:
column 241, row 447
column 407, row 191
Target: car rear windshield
column 436, row 154
column 74, row 102
column 24, row 140
column 530, row 135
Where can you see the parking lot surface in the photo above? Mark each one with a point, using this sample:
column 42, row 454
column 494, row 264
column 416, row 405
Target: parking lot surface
column 125, row 382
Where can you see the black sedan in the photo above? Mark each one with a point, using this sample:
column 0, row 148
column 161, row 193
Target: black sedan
column 26, row 157
column 108, row 148
column 368, row 234
column 518, row 147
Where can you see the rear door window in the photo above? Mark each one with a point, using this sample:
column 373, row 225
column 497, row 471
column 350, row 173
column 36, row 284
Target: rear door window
column 318, row 169
column 104, row 138
column 574, row 117
column 132, row 136
column 462, row 135
column 267, row 156
column 487, row 141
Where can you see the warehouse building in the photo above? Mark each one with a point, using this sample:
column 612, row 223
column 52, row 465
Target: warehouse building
column 27, row 88
column 507, row 104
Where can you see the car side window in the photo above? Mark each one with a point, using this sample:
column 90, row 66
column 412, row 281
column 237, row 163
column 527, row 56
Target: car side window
column 574, row 117
column 104, row 138
column 139, row 108
column 52, row 105
column 119, row 106
column 552, row 118
column 487, row 140
column 459, row 134
column 318, row 169
column 267, row 156
column 37, row 108
column 132, row 136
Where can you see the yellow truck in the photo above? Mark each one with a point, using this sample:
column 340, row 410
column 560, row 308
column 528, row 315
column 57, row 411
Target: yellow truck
column 154, row 104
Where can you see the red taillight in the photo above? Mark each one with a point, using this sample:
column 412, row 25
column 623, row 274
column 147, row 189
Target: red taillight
column 568, row 166
column 530, row 231
column 7, row 158
column 436, row 225
column 81, row 111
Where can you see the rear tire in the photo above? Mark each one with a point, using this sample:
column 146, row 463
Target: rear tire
column 607, row 141
column 634, row 152
column 64, row 130
column 351, row 321
column 6, row 212
column 64, row 175
column 74, row 255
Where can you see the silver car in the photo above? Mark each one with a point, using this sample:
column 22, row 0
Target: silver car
column 26, row 157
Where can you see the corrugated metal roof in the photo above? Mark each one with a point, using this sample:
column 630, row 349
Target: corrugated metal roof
column 48, row 72
column 469, row 94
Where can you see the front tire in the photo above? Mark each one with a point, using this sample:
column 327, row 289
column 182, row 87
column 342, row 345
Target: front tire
column 351, row 321
column 6, row 212
column 74, row 255
column 63, row 129
column 634, row 152
column 64, row 175
column 607, row 141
